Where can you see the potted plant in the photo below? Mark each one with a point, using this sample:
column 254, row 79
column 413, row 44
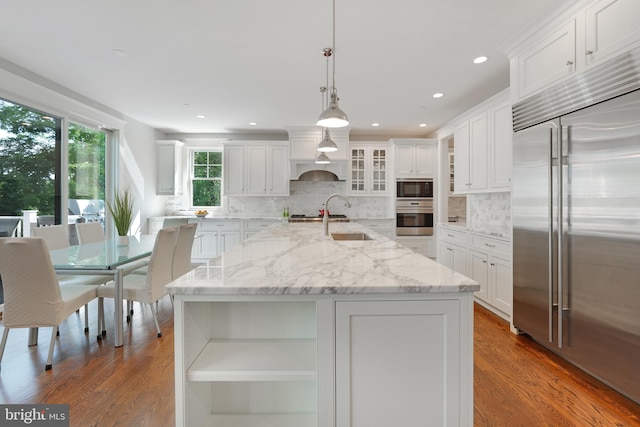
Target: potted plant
column 122, row 213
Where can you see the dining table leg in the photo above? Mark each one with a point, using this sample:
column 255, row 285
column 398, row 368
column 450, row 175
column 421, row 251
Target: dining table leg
column 117, row 280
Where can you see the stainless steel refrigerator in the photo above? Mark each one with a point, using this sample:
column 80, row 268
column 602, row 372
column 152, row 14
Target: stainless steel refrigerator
column 576, row 222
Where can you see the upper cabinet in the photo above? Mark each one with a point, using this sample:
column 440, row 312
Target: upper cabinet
column 585, row 36
column 482, row 148
column 368, row 169
column 415, row 158
column 169, row 167
column 304, row 140
column 256, row 169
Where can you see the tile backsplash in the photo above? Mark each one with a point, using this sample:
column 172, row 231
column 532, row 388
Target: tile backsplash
column 490, row 213
column 307, row 198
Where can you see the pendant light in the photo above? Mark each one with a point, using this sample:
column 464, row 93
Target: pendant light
column 326, row 144
column 333, row 116
column 322, row 159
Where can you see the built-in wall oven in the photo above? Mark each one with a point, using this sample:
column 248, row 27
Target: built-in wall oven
column 414, row 217
column 414, row 207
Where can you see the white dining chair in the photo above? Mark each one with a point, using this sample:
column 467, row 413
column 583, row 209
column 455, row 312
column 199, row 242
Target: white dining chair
column 147, row 288
column 89, row 232
column 57, row 238
column 181, row 262
column 33, row 297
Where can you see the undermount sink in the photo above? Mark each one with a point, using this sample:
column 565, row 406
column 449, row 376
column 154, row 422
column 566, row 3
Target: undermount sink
column 350, row 236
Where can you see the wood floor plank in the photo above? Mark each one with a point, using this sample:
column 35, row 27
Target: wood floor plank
column 516, row 381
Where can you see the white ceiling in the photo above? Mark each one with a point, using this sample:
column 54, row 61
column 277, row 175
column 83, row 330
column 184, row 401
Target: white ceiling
column 162, row 62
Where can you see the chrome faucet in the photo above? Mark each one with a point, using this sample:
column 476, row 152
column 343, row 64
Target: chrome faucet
column 325, row 217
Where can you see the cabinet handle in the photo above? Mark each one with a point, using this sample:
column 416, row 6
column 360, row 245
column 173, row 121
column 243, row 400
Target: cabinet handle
column 493, row 264
column 589, row 52
column 449, row 249
column 484, row 262
column 450, row 235
column 491, row 246
column 569, row 63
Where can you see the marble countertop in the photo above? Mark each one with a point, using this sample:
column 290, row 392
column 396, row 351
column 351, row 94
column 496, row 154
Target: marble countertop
column 297, row 259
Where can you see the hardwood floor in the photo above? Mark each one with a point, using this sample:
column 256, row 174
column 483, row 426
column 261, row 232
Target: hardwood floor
column 517, row 382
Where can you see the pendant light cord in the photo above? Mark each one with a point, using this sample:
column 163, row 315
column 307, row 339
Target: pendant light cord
column 333, row 89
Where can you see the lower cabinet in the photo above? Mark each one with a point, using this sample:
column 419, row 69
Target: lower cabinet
column 325, row 360
column 386, row 227
column 253, row 226
column 215, row 237
column 397, row 366
column 424, row 245
column 452, row 249
column 490, row 265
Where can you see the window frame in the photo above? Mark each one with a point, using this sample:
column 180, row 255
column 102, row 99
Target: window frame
column 192, row 153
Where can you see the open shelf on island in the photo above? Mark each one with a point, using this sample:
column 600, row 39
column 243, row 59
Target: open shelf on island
column 255, row 360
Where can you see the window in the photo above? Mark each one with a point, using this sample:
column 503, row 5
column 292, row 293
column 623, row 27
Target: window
column 206, row 178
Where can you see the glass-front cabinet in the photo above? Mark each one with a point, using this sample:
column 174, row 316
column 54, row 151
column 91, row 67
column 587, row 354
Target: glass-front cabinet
column 368, row 169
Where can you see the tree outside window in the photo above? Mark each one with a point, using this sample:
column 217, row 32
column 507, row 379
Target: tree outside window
column 206, row 178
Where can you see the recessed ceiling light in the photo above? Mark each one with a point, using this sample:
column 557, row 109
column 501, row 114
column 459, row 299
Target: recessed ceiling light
column 423, row 125
column 200, row 116
column 252, row 123
column 375, row 124
column 480, row 59
column 438, row 95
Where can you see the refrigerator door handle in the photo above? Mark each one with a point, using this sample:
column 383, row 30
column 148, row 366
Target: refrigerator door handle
column 551, row 164
column 563, row 161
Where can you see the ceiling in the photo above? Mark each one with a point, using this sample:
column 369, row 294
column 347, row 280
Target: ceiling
column 163, row 62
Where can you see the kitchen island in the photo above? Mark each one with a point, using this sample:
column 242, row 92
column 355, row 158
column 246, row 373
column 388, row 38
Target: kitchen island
column 294, row 328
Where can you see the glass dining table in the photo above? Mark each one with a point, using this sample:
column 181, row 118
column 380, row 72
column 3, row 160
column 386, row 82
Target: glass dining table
column 104, row 258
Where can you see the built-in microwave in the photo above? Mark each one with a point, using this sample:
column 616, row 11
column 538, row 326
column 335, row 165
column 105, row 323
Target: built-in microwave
column 414, row 189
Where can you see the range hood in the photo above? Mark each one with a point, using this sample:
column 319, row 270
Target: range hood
column 310, row 171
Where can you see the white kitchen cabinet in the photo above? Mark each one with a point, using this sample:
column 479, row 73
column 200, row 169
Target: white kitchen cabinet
column 323, row 360
column 253, row 226
column 548, row 60
column 415, row 158
column 593, row 32
column 471, row 154
column 482, row 148
column 611, row 26
column 412, row 337
column 386, row 227
column 256, row 169
column 452, row 249
column 490, row 265
column 500, row 146
column 368, row 170
column 159, row 222
column 424, row 245
column 169, row 167
column 214, row 237
column 233, row 169
column 304, row 140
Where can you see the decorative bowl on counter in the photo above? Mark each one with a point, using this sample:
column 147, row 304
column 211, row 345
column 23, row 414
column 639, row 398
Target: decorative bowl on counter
column 201, row 214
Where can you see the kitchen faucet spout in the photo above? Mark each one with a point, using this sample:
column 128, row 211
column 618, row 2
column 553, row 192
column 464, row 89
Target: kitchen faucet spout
column 325, row 217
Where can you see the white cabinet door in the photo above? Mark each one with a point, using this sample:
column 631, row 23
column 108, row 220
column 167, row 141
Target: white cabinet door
column 462, row 179
column 502, row 284
column 425, row 160
column 206, row 245
column 415, row 160
column 278, row 170
column 368, row 170
column 478, row 152
column 227, row 240
column 611, row 26
column 255, row 170
column 453, row 256
column 547, row 61
column 404, row 161
column 168, row 167
column 383, row 347
column 479, row 271
column 500, row 147
column 233, row 169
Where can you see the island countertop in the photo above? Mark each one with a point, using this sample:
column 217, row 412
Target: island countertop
column 297, row 259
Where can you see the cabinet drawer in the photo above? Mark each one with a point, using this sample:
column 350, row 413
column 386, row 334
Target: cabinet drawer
column 216, row 225
column 457, row 237
column 490, row 244
column 259, row 225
